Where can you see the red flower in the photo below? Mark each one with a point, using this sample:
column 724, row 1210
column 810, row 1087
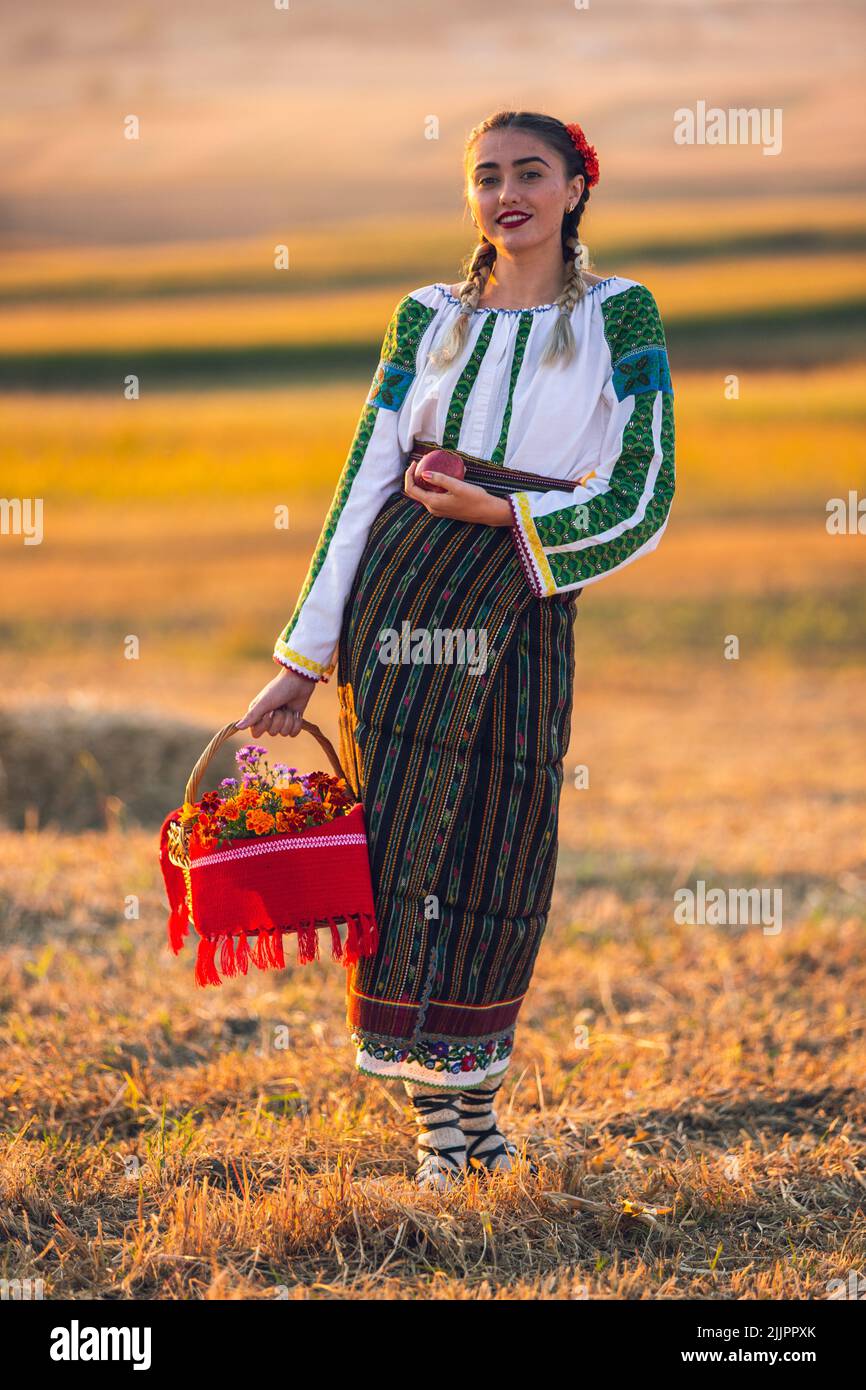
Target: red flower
column 590, row 156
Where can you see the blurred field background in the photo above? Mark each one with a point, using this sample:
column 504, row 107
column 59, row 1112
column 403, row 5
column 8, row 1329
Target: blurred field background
column 709, row 1140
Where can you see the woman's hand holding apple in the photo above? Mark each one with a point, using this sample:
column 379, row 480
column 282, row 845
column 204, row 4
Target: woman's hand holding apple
column 453, row 497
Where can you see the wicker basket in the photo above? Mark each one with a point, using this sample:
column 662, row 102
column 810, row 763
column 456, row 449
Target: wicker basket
column 259, row 888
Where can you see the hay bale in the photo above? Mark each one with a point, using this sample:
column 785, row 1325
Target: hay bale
column 81, row 769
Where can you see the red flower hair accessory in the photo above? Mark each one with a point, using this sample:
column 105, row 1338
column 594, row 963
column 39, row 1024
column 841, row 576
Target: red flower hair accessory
column 582, row 145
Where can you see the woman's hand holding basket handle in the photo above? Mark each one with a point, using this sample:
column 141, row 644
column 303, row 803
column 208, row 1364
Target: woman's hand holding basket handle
column 279, row 706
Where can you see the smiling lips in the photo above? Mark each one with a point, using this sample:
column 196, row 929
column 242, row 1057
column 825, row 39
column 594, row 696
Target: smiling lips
column 513, row 219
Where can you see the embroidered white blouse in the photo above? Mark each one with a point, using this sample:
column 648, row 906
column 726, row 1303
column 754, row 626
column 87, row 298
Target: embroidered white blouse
column 604, row 419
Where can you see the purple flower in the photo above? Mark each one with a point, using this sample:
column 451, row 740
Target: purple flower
column 250, row 753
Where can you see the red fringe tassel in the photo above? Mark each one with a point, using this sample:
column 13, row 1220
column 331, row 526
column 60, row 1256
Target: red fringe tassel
column 242, row 954
column 228, row 964
column 268, row 952
column 362, row 938
column 279, row 958
column 205, row 967
column 178, row 926
column 261, row 954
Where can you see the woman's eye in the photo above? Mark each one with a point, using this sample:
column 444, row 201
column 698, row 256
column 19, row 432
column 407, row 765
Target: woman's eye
column 527, row 174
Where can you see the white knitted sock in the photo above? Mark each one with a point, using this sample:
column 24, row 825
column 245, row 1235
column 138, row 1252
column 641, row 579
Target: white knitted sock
column 441, row 1143
column 486, row 1145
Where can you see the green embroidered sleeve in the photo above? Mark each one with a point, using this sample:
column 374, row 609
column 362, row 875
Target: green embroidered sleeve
column 620, row 508
column 373, row 469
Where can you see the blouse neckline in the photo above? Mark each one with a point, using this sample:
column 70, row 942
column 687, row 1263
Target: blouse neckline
column 530, row 309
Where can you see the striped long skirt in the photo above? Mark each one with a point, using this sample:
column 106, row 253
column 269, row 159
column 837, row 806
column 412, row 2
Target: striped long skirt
column 455, row 689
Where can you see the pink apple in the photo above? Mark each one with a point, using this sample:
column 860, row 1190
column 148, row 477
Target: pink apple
column 439, row 461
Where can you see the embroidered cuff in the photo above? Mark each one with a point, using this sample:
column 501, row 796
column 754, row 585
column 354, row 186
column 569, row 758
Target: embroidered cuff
column 286, row 656
column 529, row 547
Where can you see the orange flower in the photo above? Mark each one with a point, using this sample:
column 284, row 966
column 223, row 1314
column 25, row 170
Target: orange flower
column 203, row 835
column 248, row 798
column 231, row 809
column 259, row 822
column 295, row 788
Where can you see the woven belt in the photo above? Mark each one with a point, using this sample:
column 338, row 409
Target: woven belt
column 495, row 477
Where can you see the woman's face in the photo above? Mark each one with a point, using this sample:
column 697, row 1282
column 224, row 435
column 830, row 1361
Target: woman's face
column 513, row 171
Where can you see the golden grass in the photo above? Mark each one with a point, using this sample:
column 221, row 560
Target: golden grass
column 790, row 440
column 196, row 444
column 243, row 576
column 760, row 774
column 229, row 320
column 352, row 314
column 750, row 283
column 408, row 244
column 705, row 1138
column 708, row 1141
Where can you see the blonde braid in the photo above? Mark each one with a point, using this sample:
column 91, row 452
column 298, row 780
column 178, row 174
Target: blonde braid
column 480, row 265
column 561, row 345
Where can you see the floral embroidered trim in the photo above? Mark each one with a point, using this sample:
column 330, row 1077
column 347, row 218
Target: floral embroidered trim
column 390, row 385
column 530, row 309
column 641, row 370
column 452, row 1058
column 466, row 1081
column 268, row 846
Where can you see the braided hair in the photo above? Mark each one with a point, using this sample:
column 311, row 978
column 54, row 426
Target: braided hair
column 478, row 266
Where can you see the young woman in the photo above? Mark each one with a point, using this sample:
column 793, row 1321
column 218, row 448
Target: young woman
column 449, row 613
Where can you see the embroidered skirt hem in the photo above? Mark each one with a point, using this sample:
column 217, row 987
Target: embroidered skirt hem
column 421, row 1076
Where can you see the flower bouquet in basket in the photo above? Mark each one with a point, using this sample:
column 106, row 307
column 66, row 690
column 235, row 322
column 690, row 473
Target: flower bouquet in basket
column 272, row 852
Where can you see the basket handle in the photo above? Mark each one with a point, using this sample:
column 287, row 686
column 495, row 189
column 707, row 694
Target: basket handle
column 226, row 732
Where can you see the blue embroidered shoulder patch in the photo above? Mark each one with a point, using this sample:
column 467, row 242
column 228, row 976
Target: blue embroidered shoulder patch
column 646, row 369
column 390, row 385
